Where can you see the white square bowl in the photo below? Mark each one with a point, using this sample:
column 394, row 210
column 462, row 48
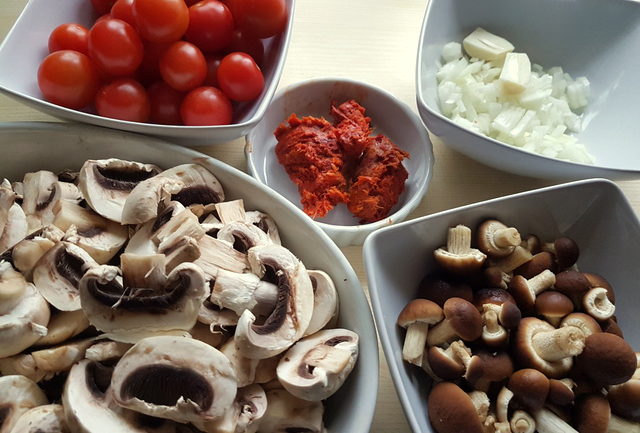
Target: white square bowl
column 54, row 146
column 598, row 39
column 594, row 212
column 25, row 46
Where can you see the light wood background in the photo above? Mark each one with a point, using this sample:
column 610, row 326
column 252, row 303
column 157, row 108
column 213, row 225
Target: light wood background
column 375, row 41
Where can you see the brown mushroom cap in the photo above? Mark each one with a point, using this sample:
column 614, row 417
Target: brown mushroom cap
column 491, row 296
column 525, row 291
column 597, row 280
column 530, row 388
column 572, row 283
column 420, row 310
column 560, row 392
column 611, row 326
column 495, row 239
column 625, row 399
column 444, row 363
column 464, row 318
column 593, row 414
column 452, row 411
column 458, row 257
column 438, row 288
column 537, row 264
column 494, row 367
column 607, row 359
column 553, row 306
column 566, row 252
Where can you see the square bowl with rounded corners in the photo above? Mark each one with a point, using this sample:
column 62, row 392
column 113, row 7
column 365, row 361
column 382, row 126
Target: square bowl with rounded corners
column 32, row 146
column 597, row 39
column 594, row 212
column 389, row 116
column 25, row 46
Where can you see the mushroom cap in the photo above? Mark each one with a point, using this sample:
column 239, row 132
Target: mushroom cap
column 560, row 392
column 452, row 411
column 459, row 264
column 611, row 326
column 19, row 394
column 566, row 251
column 438, row 287
column 495, row 367
column 593, row 414
column 625, row 399
column 486, row 238
column 420, row 310
column 553, row 305
column 42, row 419
column 524, row 296
column 585, row 322
column 530, row 387
column 597, row 280
column 286, row 413
column 444, row 364
column 538, row 263
column 325, row 301
column 572, row 283
column 607, row 359
column 464, row 318
column 491, row 296
column 510, row 315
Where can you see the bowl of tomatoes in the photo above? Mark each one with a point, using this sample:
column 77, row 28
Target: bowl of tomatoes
column 194, row 72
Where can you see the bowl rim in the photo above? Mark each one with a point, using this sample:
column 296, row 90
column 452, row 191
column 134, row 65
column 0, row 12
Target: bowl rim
column 375, row 292
column 423, row 185
column 435, row 112
column 153, row 128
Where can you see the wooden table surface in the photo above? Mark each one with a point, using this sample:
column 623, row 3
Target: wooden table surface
column 374, row 41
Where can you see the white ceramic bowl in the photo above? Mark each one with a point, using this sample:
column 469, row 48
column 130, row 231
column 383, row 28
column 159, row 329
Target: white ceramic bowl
column 594, row 212
column 593, row 38
column 389, row 117
column 36, row 146
column 25, row 47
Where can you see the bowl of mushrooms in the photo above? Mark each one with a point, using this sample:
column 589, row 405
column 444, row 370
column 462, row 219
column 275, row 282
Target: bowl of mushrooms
column 147, row 287
column 514, row 314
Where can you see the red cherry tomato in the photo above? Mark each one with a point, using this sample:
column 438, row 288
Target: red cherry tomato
column 123, row 10
column 206, row 106
column 102, row 6
column 247, row 44
column 161, row 20
column 123, row 99
column 183, row 66
column 165, row 104
column 69, row 36
column 260, row 18
column 115, row 47
column 239, row 77
column 68, row 78
column 210, row 25
column 103, row 17
column 212, row 71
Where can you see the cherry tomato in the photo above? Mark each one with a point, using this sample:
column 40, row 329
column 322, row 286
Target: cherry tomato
column 212, row 71
column 206, row 106
column 115, row 47
column 123, row 99
column 239, row 77
column 183, row 66
column 102, row 6
column 247, row 44
column 161, row 20
column 68, row 78
column 165, row 104
column 103, row 17
column 260, row 18
column 69, row 37
column 149, row 70
column 210, row 25
column 123, row 10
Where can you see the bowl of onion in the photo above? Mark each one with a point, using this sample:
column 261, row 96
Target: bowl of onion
column 122, row 64
column 524, row 87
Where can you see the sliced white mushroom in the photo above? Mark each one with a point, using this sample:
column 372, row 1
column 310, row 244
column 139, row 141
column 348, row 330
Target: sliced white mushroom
column 244, row 368
column 294, row 306
column 62, row 326
column 130, row 313
column 203, row 332
column 106, row 351
column 267, row 370
column 239, row 292
column 13, row 221
column 181, row 224
column 107, row 183
column 41, row 197
column 7, row 199
column 147, row 271
column 98, row 236
column 187, row 184
column 19, row 394
column 286, row 413
column 243, row 235
column 60, row 358
column 325, row 301
column 265, row 223
column 175, row 378
column 70, row 192
column 230, row 211
column 26, row 253
column 12, row 287
column 218, row 319
column 23, row 365
column 244, row 415
column 317, row 366
column 216, row 254
column 42, row 419
column 58, row 272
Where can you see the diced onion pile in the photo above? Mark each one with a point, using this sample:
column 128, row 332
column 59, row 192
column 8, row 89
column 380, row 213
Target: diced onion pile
column 537, row 119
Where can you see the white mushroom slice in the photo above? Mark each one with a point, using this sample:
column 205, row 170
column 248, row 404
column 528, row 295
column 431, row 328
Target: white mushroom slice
column 143, row 271
column 217, row 318
column 244, row 415
column 144, row 240
column 205, row 212
column 175, row 378
column 187, row 184
column 265, row 223
column 294, row 306
column 181, row 224
column 325, row 301
column 26, row 253
column 106, row 351
column 243, row 235
column 23, row 365
column 317, row 366
column 181, row 251
column 128, row 313
column 13, row 287
column 13, row 221
column 61, row 358
column 70, row 192
column 25, row 323
column 98, row 236
column 239, row 292
column 58, row 273
column 202, row 332
column 41, row 198
column 244, row 368
column 62, row 326
column 230, row 211
column 216, row 254
column 18, row 395
column 107, row 183
column 42, row 419
column 267, row 370
column 286, row 413
column 7, row 199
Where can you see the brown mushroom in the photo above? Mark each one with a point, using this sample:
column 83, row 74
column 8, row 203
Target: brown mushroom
column 561, row 391
column 495, row 239
column 625, row 399
column 452, row 411
column 416, row 317
column 517, row 258
column 445, row 363
column 522, row 422
column 458, row 257
column 597, row 280
column 499, row 311
column 611, row 326
column 565, row 250
column 573, row 284
column 597, row 304
column 586, row 323
column 491, row 368
column 607, row 359
column 525, row 291
column 530, row 388
column 553, row 306
column 462, row 320
column 438, row 287
column 538, row 263
column 592, row 414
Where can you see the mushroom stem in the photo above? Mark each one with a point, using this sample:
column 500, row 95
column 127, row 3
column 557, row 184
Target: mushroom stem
column 518, row 257
column 506, row 237
column 493, row 334
column 621, row 425
column 597, row 304
column 442, row 333
column 491, row 321
column 502, row 404
column 459, row 239
column 414, row 342
column 522, row 422
column 542, row 281
column 549, row 422
column 481, row 402
column 559, row 343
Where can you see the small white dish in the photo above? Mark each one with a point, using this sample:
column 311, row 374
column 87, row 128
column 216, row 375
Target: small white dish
column 25, row 47
column 594, row 212
column 597, row 39
column 388, row 115
column 32, row 146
